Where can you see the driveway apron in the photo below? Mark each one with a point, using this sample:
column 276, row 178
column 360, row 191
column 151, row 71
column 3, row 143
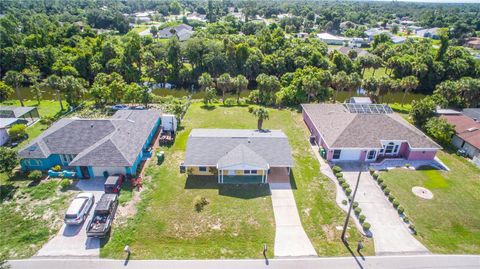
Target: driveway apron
column 72, row 240
column 390, row 235
column 290, row 238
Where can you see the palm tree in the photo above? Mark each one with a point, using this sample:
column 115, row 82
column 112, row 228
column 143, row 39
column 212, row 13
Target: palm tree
column 354, row 82
column 261, row 114
column 339, row 83
column 15, row 79
column 54, row 82
column 224, row 83
column 205, row 81
column 241, row 84
column 37, row 91
column 407, row 84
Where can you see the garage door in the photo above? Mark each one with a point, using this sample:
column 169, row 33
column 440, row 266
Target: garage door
column 99, row 171
column 350, row 155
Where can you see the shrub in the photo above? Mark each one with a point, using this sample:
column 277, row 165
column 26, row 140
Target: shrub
column 406, row 219
column 362, row 218
column 230, row 102
column 379, row 180
column 348, row 191
column 65, row 183
column 357, row 210
column 47, row 120
column 391, row 197
column 366, row 226
column 395, row 203
column 345, row 185
column 200, row 203
column 17, row 132
column 407, row 165
column 344, row 202
column 375, row 175
column 57, row 168
column 336, row 169
column 383, row 186
column 386, row 191
column 355, row 204
column 339, row 174
column 371, row 170
column 349, row 198
column 35, row 175
column 341, row 180
column 400, row 209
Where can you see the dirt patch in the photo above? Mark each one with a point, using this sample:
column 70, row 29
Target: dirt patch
column 329, row 233
column 422, row 192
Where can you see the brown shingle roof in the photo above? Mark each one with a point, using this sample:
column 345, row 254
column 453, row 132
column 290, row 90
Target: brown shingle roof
column 466, row 128
column 342, row 129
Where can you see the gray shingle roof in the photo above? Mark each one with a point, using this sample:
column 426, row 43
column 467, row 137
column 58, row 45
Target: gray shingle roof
column 242, row 154
column 98, row 142
column 15, row 111
column 342, row 129
column 208, row 147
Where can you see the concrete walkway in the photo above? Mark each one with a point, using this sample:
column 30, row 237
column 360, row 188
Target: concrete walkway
column 378, row 262
column 390, row 234
column 290, row 238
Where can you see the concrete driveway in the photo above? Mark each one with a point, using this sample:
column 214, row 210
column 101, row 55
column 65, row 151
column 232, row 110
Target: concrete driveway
column 290, row 238
column 72, row 240
column 390, row 235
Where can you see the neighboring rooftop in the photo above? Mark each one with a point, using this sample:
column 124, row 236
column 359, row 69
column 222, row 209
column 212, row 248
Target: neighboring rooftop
column 359, row 51
column 7, row 122
column 209, row 147
column 15, row 111
column 473, row 113
column 466, row 128
column 100, row 142
column 343, row 129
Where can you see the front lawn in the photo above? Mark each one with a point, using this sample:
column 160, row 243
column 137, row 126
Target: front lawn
column 237, row 221
column 450, row 222
column 30, row 214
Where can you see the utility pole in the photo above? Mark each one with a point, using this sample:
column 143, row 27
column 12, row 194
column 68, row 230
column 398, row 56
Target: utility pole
column 345, row 225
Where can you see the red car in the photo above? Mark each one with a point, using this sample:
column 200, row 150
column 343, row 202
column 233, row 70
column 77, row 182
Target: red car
column 113, row 184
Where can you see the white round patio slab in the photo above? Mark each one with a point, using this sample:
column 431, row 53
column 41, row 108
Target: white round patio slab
column 422, row 192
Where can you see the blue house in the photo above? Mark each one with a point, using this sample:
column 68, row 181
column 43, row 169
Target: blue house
column 94, row 147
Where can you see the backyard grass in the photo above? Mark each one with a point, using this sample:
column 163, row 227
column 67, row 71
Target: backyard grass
column 237, row 221
column 380, row 72
column 450, row 222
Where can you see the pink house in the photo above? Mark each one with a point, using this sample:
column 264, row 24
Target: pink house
column 365, row 132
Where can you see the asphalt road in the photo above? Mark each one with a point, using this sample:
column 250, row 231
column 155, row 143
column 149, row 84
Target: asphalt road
column 377, row 262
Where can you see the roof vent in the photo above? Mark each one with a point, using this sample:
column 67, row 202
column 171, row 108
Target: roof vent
column 130, row 120
column 472, row 129
column 91, row 125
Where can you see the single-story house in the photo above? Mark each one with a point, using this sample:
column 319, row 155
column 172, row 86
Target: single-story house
column 365, row 132
column 94, row 147
column 332, row 39
column 429, row 33
column 467, row 133
column 372, row 32
column 239, row 156
column 5, row 123
column 182, row 31
column 22, row 113
column 360, row 52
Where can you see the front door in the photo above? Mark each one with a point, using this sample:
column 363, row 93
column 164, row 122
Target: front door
column 85, row 173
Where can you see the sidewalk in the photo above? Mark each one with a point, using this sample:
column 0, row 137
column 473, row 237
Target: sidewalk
column 379, row 262
column 290, row 238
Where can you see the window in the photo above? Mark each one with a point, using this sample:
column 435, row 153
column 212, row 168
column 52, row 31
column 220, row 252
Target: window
column 336, row 154
column 389, row 148
column 253, row 172
column 246, row 172
column 35, row 163
column 202, row 169
column 395, row 150
column 371, row 154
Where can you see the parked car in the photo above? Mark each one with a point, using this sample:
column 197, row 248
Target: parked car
column 113, row 184
column 138, row 107
column 78, row 210
column 120, row 107
column 101, row 222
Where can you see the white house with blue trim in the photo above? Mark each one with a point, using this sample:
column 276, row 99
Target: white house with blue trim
column 94, row 147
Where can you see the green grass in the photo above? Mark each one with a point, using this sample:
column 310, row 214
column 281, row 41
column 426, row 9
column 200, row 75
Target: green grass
column 238, row 220
column 30, row 214
column 380, row 72
column 450, row 222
